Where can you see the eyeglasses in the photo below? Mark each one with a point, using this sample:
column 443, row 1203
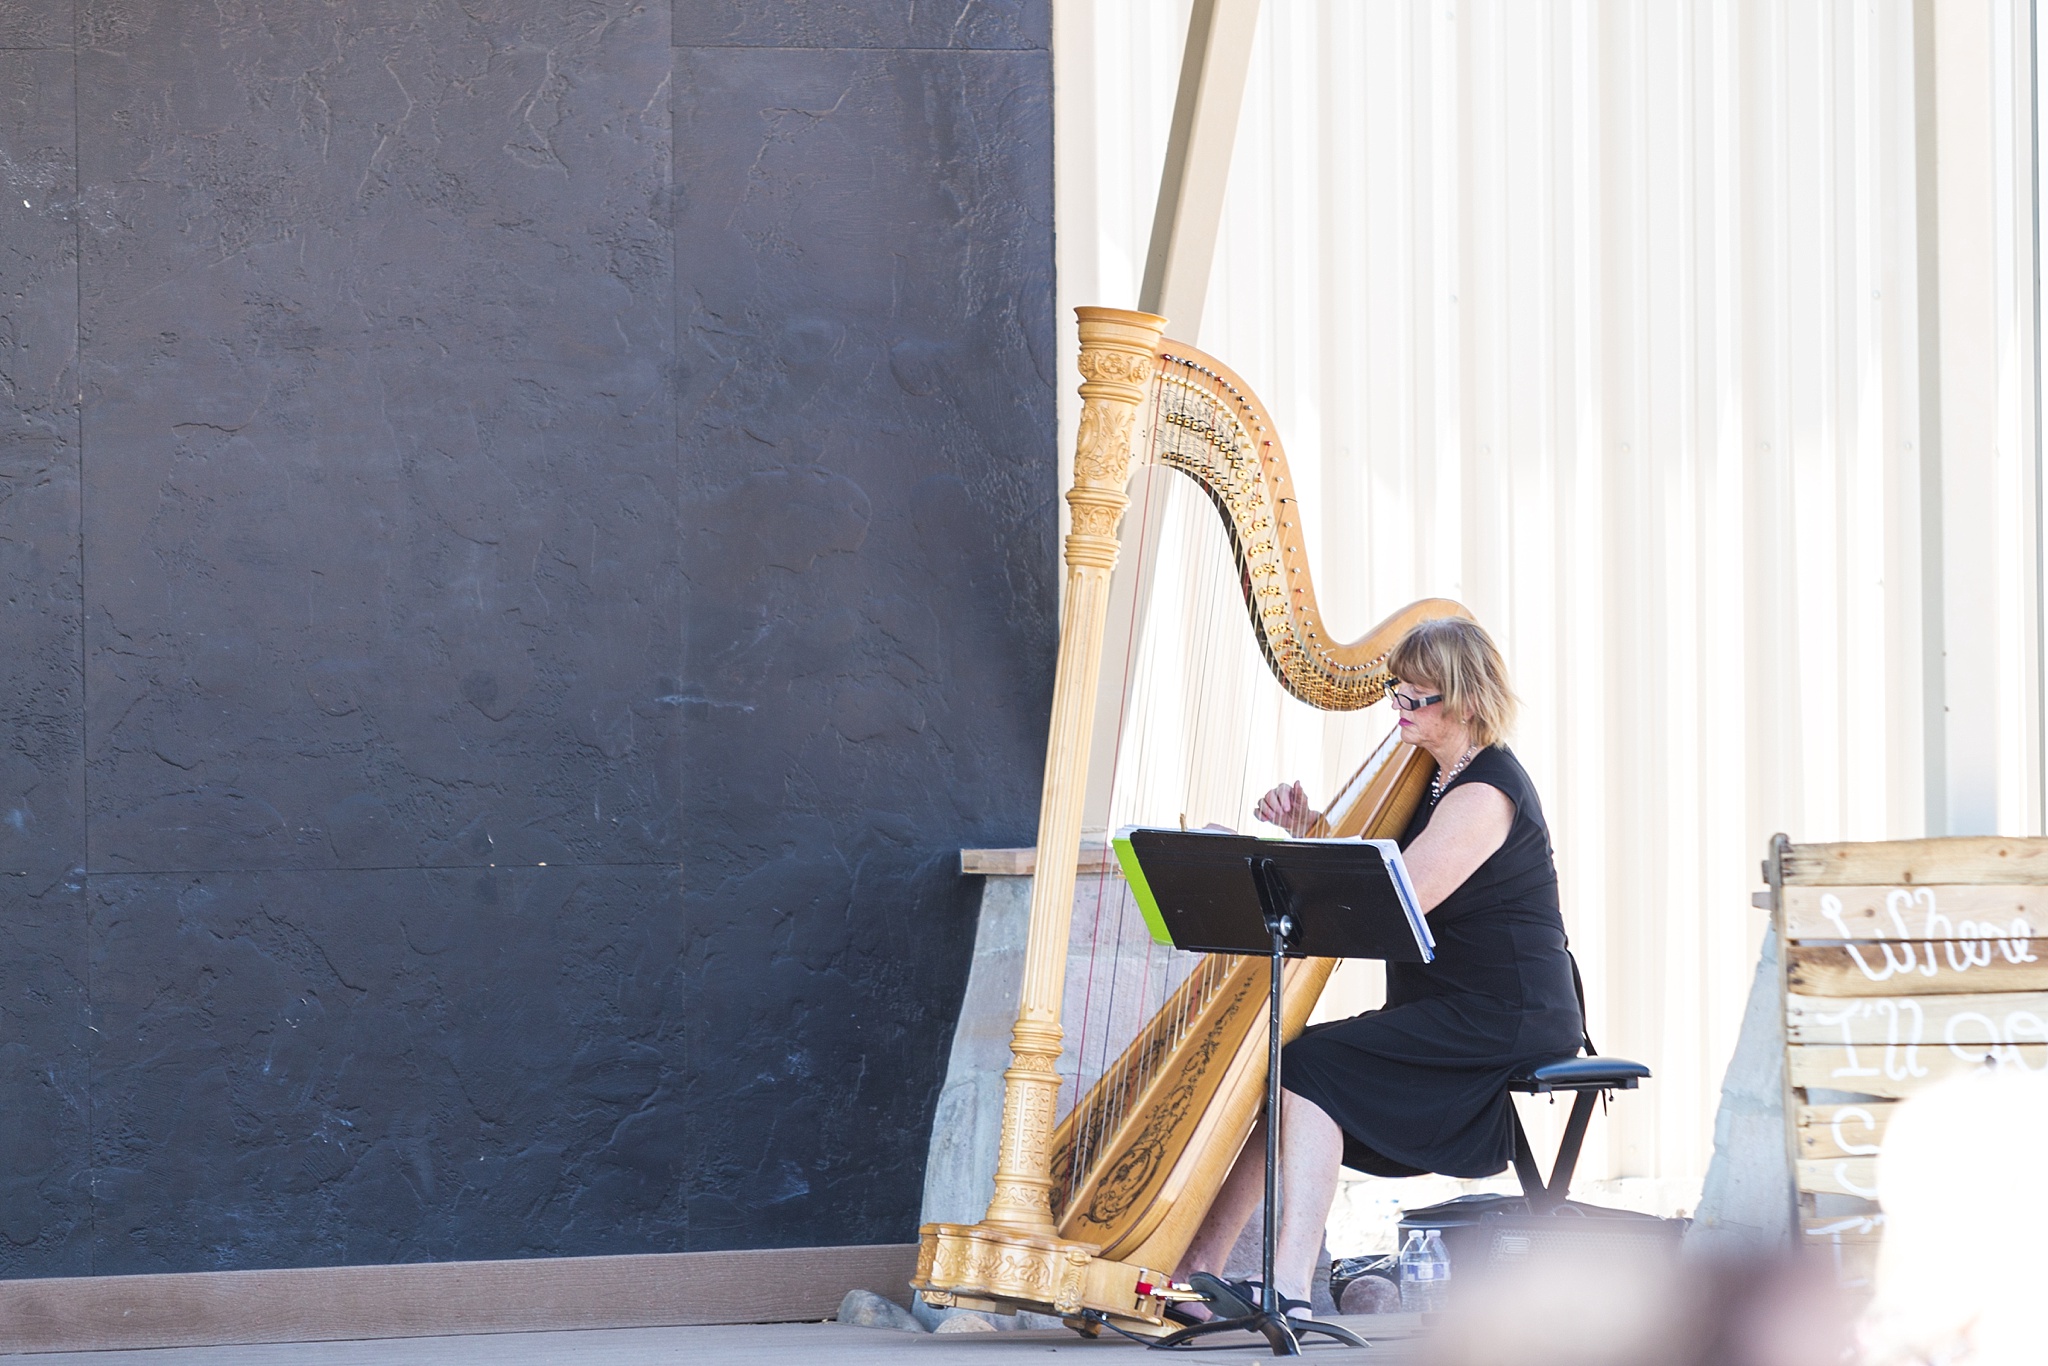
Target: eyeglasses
column 1407, row 703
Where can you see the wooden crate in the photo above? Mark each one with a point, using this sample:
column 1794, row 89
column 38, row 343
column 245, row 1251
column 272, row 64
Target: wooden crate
column 1903, row 963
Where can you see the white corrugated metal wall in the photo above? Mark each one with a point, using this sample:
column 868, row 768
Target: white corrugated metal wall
column 1623, row 324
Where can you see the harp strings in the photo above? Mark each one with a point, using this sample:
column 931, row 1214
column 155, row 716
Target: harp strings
column 1185, row 686
column 1100, row 1097
column 1196, row 691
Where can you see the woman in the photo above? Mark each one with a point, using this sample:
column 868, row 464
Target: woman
column 1419, row 1086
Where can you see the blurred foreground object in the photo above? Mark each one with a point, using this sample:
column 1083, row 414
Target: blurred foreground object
column 1641, row 1310
column 1964, row 1179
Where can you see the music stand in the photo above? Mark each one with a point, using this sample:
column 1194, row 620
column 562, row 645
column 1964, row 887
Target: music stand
column 1216, row 893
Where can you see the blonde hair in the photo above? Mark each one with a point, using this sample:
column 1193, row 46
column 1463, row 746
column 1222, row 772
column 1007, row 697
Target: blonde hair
column 1457, row 658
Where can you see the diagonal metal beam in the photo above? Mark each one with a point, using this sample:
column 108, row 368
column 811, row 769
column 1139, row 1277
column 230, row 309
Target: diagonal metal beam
column 1197, row 171
column 1192, row 183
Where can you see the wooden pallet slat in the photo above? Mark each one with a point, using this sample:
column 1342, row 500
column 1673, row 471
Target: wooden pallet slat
column 1897, row 911
column 1976, row 859
column 1852, row 1130
column 1896, row 1072
column 1851, row 1242
column 1924, row 968
column 1842, row 1229
column 1855, row 1176
column 1968, row 1020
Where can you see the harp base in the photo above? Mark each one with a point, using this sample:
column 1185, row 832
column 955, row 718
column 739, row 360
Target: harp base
column 977, row 1266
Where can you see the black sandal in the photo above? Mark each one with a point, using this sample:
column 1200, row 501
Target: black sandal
column 1287, row 1304
column 1252, row 1293
column 1226, row 1299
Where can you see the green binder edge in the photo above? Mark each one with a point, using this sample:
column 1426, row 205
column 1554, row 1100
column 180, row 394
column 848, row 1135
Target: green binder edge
column 1141, row 891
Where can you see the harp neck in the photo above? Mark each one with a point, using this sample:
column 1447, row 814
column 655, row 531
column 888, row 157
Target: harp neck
column 1205, row 421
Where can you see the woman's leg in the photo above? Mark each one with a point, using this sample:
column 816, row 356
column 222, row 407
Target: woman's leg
column 1242, row 1190
column 1311, row 1151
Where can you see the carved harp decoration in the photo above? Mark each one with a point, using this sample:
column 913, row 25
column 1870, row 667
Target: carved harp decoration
column 1092, row 1213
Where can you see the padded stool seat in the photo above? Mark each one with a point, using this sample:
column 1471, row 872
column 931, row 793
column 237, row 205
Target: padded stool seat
column 1590, row 1077
column 1580, row 1074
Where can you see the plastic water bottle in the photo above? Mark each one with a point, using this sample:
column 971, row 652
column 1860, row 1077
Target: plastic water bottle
column 1436, row 1259
column 1415, row 1275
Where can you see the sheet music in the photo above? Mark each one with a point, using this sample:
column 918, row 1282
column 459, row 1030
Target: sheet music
column 1395, row 867
column 1405, row 889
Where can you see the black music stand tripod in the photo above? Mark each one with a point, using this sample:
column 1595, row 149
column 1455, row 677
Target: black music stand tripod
column 1205, row 911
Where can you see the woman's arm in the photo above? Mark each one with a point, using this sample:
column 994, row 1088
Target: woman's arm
column 1470, row 822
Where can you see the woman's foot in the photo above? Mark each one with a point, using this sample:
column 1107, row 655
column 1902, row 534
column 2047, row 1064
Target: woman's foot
column 1221, row 1299
column 1251, row 1294
column 1290, row 1307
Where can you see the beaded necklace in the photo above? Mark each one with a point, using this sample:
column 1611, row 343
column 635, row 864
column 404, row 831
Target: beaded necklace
column 1444, row 780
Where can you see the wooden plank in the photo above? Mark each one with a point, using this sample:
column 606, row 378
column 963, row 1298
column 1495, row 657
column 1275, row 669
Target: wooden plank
column 1855, row 1265
column 1967, row 1021
column 438, row 1299
column 1843, row 1130
column 1939, row 912
column 1896, row 1071
column 1094, row 857
column 1850, row 1242
column 1899, row 968
column 998, row 862
column 1855, row 1176
column 1955, row 859
column 1842, row 1229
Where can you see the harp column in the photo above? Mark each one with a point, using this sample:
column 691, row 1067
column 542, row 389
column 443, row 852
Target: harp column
column 1117, row 365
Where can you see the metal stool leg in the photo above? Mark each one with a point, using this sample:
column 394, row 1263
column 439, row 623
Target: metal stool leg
column 1559, row 1188
column 1526, row 1170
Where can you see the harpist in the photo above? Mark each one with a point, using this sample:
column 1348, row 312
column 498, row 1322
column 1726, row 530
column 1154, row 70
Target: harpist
column 1420, row 1085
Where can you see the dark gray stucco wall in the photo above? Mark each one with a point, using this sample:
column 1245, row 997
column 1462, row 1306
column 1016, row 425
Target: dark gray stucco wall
column 527, row 544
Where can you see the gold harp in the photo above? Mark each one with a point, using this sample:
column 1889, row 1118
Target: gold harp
column 1095, row 1212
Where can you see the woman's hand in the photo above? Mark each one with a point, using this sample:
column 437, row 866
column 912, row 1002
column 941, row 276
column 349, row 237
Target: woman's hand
column 1287, row 807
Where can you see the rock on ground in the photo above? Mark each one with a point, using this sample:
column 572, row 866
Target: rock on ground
column 933, row 1318
column 966, row 1323
column 866, row 1309
column 1370, row 1295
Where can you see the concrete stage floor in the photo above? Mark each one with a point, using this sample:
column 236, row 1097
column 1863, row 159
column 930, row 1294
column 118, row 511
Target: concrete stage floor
column 768, row 1344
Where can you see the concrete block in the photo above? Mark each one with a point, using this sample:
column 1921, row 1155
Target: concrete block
column 1746, row 1204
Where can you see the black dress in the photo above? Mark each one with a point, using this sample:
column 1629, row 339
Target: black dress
column 1418, row 1086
